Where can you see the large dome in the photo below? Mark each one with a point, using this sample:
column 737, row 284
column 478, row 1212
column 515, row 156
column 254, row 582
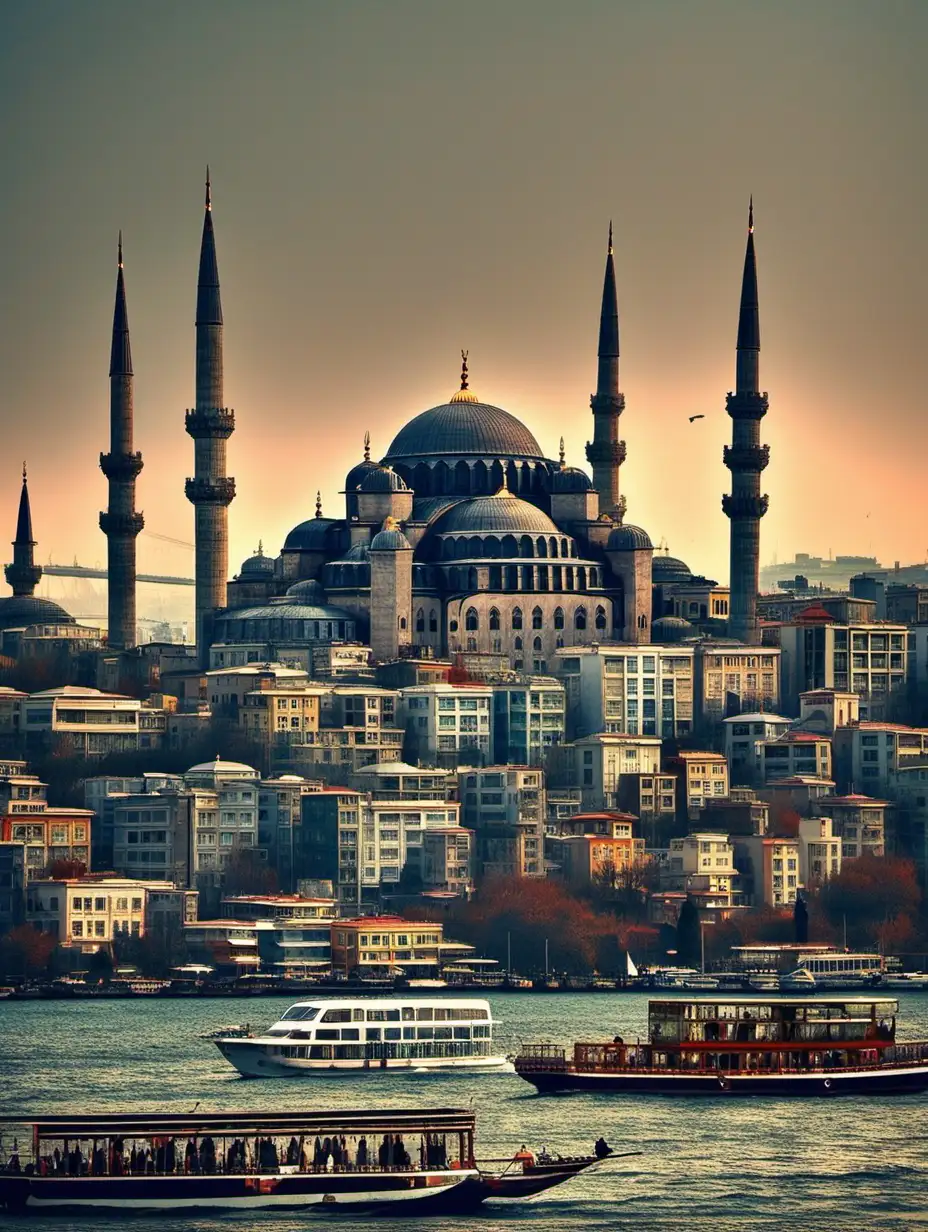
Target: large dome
column 459, row 427
column 17, row 611
column 500, row 513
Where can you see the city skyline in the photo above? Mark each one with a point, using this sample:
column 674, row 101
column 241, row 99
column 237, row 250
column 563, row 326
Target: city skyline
column 347, row 304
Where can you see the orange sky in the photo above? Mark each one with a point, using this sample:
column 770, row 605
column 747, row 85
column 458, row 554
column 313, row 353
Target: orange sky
column 394, row 182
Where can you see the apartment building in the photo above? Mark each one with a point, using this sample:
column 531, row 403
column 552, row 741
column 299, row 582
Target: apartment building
column 529, row 719
column 771, row 868
column 389, row 943
column 89, row 723
column 742, row 734
column 820, row 850
column 795, row 752
column 701, row 776
column 90, row 913
column 627, row 690
column 860, row 823
column 598, row 763
column 506, row 808
column 731, row 679
column 448, row 859
column 870, row 660
column 448, row 723
column 702, row 865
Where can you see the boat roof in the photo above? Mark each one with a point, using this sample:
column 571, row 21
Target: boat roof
column 394, row 1003
column 723, row 998
column 198, row 1124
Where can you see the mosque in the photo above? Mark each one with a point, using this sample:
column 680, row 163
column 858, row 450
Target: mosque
column 463, row 537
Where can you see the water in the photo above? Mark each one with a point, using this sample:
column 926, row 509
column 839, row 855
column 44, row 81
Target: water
column 831, row 1164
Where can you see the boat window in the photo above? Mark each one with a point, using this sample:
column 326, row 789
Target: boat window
column 425, row 1014
column 409, row 1013
column 320, row 1052
column 373, row 1033
column 409, row 1033
column 307, row 1013
column 323, row 1034
column 383, row 1015
column 357, row 1015
column 337, row 1016
column 279, row 1034
column 462, row 1033
column 443, row 1033
column 392, row 1033
column 426, row 1032
column 350, row 1033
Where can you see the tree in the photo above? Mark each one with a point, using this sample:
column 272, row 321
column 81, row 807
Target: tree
column 801, row 920
column 868, row 894
column 25, row 951
column 61, row 870
column 247, row 873
column 689, row 946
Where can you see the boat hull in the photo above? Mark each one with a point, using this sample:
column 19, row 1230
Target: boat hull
column 372, row 1192
column 252, row 1062
column 891, row 1080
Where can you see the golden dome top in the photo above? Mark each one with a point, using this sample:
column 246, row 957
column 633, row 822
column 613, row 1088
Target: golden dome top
column 464, row 394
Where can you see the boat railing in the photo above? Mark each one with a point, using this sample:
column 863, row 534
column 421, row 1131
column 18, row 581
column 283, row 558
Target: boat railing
column 542, row 1057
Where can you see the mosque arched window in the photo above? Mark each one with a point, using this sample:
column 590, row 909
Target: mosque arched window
column 528, row 582
column 580, row 618
column 600, row 619
column 581, row 578
column 452, row 626
column 512, row 577
column 509, row 546
column 542, row 547
column 402, row 622
column 491, row 546
column 471, row 620
column 517, row 643
column 642, row 622
column 536, row 645
column 552, row 546
column 559, row 618
column 559, row 641
column 496, row 577
column 433, row 621
column 526, row 547
column 494, row 618
column 565, row 547
column 517, row 618
column 420, row 621
column 537, row 618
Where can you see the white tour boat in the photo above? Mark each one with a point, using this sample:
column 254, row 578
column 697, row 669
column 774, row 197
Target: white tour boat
column 365, row 1034
column 833, row 970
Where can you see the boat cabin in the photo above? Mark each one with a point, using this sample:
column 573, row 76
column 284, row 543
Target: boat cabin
column 750, row 1020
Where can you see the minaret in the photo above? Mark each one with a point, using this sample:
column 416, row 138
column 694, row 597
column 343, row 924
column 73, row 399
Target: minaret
column 746, row 458
column 23, row 574
column 120, row 523
column 210, row 424
column 606, row 452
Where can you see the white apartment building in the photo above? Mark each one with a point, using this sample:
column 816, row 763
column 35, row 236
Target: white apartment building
column 447, row 722
column 598, row 763
column 87, row 913
column 703, row 865
column 226, row 687
column 795, row 753
column 742, row 734
column 877, row 757
column 89, row 722
column 870, row 660
column 860, row 823
column 627, row 690
column 825, row 710
column 819, row 850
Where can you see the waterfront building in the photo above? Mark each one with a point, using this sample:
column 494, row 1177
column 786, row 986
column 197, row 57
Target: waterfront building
column 820, row 850
column 595, row 848
column 293, row 933
column 870, row 660
column 231, row 946
column 90, row 913
column 89, row 723
column 702, row 864
column 597, row 764
column 506, row 808
column 771, row 867
column 388, row 943
column 794, row 752
column 743, row 735
column 731, row 679
column 628, row 690
column 701, row 776
column 859, row 822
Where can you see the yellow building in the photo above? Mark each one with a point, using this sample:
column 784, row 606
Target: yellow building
column 388, row 941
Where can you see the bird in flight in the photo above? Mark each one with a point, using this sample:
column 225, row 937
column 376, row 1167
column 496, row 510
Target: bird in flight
column 692, row 417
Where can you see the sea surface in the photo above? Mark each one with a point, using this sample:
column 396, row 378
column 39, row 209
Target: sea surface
column 827, row 1164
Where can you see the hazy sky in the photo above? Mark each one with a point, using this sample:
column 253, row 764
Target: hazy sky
column 395, row 181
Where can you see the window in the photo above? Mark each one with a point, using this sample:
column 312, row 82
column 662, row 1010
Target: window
column 537, row 621
column 494, row 619
column 580, row 618
column 559, row 618
column 471, row 620
column 536, row 644
column 600, row 619
column 517, row 618
column 420, row 621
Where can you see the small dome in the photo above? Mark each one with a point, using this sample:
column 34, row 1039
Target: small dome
column 669, row 569
column 220, row 768
column 20, row 610
column 500, row 513
column 628, row 539
column 257, row 565
column 358, row 474
column 307, row 591
column 310, row 536
column 571, row 479
column 390, row 539
column 384, row 479
column 670, row 629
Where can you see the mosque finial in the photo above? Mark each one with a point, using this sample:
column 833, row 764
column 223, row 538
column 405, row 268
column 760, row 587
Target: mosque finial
column 464, row 355
column 751, row 215
column 24, row 474
column 119, row 250
column 209, row 195
column 260, row 551
column 367, row 446
column 610, row 236
column 318, row 504
column 561, row 454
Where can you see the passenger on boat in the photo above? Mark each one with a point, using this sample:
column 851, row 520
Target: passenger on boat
column 524, row 1156
column 602, row 1148
column 362, row 1153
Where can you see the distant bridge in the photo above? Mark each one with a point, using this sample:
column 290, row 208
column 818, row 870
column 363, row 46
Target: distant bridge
column 83, row 571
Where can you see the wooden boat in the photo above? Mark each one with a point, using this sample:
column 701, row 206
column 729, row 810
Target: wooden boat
column 372, row 1161
column 730, row 1045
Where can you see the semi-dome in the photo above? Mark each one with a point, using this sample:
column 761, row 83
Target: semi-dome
column 307, row 591
column 310, row 536
column 669, row 569
column 464, row 427
column 18, row 611
column 670, row 629
column 383, row 479
column 502, row 513
column 628, row 539
column 571, row 479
